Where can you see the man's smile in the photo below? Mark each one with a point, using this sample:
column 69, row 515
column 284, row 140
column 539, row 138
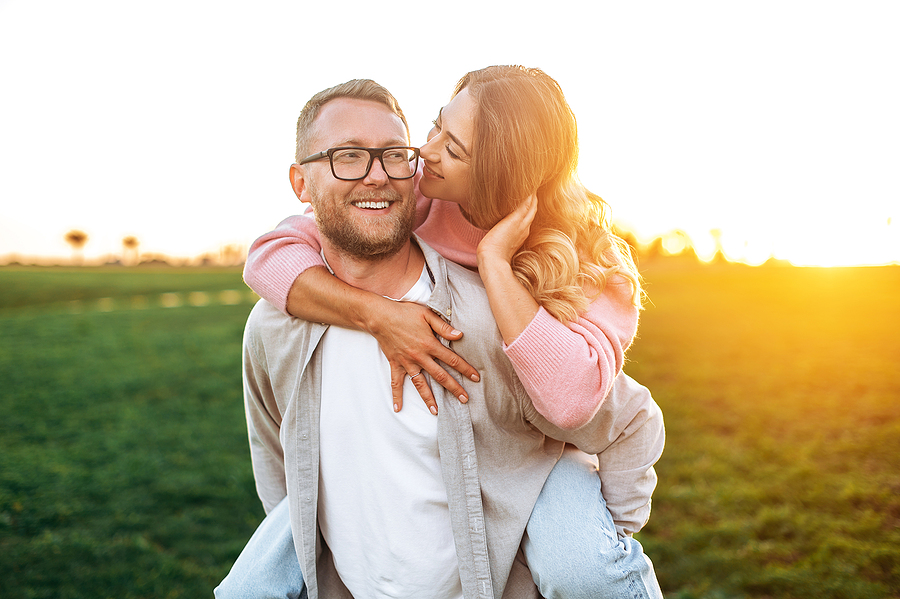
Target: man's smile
column 372, row 204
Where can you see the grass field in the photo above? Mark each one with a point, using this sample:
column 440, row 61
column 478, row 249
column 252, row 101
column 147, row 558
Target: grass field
column 124, row 468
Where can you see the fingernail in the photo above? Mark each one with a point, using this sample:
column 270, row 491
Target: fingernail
column 396, row 407
column 433, row 410
column 475, row 378
column 463, row 398
column 455, row 332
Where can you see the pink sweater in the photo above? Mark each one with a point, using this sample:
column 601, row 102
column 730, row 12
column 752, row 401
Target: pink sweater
column 567, row 369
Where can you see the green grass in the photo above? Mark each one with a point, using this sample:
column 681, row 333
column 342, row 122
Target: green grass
column 781, row 391
column 124, row 468
column 54, row 287
column 125, row 472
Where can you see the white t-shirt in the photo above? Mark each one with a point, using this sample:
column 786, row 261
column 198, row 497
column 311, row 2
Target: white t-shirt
column 382, row 501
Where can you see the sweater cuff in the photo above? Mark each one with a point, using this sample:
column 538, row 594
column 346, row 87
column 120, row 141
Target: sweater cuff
column 539, row 349
column 282, row 269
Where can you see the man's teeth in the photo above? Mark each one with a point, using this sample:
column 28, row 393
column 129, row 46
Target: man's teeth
column 372, row 205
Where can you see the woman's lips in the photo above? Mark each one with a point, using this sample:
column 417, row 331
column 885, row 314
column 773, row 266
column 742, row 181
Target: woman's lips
column 430, row 173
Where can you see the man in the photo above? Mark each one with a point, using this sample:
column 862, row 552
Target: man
column 384, row 503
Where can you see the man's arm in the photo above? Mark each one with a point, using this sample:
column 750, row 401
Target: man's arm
column 263, row 422
column 285, row 268
column 277, row 258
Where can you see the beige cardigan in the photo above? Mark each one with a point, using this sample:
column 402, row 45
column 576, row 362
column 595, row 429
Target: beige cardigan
column 496, row 450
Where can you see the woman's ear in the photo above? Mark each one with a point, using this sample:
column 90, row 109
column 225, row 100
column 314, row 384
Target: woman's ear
column 298, row 182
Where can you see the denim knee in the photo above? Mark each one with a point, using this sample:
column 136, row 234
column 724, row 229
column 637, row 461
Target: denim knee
column 571, row 544
column 616, row 573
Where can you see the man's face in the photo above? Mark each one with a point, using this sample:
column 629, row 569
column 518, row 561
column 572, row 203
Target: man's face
column 371, row 218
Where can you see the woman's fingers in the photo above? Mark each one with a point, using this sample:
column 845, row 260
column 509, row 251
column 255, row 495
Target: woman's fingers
column 505, row 238
column 419, row 379
column 532, row 203
column 446, row 381
column 419, row 375
column 447, row 355
column 398, row 375
column 406, row 336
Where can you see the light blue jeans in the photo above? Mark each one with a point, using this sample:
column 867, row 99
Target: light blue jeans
column 570, row 544
column 267, row 568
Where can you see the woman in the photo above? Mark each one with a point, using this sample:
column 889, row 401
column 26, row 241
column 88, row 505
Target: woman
column 563, row 289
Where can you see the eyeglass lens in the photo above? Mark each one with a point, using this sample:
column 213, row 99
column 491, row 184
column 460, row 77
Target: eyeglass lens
column 352, row 163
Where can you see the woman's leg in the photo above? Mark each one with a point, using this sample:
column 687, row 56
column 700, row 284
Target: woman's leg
column 267, row 568
column 570, row 541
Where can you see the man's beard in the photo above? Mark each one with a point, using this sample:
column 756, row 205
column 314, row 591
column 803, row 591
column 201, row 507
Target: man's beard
column 350, row 239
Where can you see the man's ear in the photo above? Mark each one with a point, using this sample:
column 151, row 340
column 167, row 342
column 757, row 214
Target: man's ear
column 298, row 183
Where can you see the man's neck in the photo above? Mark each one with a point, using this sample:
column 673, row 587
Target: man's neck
column 391, row 277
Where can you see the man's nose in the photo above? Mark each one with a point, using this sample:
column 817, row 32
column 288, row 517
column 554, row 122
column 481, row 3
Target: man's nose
column 377, row 175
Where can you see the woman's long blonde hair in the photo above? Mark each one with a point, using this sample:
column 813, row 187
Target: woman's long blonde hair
column 526, row 141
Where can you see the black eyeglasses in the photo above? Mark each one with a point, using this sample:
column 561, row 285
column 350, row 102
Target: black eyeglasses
column 353, row 164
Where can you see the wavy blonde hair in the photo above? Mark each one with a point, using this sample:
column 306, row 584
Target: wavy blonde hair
column 526, row 141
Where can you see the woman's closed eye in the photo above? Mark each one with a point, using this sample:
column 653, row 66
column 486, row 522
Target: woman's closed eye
column 435, row 131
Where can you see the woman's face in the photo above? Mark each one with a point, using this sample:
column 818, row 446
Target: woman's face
column 447, row 156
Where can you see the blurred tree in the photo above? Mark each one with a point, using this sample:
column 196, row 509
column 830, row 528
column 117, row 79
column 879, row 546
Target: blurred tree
column 628, row 237
column 654, row 249
column 130, row 253
column 677, row 242
column 232, row 254
column 720, row 250
column 76, row 239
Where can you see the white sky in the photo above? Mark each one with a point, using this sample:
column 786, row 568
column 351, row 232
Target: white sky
column 773, row 122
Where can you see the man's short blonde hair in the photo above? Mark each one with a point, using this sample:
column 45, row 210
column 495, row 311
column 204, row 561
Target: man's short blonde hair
column 359, row 89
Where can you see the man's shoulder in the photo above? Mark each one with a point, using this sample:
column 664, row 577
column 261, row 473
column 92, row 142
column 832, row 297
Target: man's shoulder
column 268, row 325
column 264, row 316
column 280, row 343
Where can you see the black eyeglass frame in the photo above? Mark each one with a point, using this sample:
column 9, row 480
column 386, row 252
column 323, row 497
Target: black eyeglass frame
column 373, row 154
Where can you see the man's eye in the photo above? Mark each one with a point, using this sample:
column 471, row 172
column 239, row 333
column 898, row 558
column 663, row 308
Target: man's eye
column 348, row 156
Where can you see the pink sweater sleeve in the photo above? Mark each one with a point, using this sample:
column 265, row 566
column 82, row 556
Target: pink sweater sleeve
column 278, row 257
column 569, row 370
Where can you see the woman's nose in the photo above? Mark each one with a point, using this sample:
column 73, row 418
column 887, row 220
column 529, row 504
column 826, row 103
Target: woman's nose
column 429, row 150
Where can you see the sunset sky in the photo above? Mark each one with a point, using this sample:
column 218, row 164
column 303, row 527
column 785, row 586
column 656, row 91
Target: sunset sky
column 773, row 123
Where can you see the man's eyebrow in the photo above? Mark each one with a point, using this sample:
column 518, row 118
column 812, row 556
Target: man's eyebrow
column 453, row 137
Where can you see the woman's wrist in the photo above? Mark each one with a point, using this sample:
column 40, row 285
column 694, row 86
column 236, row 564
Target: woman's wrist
column 318, row 296
column 489, row 264
column 513, row 306
column 369, row 311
